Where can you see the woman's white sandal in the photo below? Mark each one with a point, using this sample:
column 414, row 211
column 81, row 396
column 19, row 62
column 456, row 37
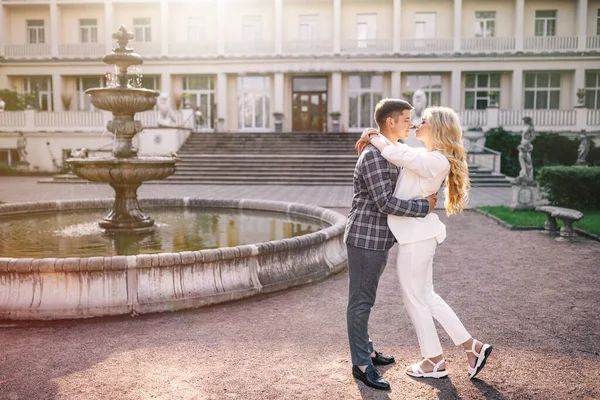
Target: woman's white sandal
column 417, row 371
column 482, row 357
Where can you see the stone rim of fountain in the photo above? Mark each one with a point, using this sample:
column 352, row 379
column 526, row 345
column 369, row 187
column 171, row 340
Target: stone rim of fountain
column 238, row 272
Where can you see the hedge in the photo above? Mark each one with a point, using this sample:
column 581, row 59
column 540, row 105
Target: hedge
column 573, row 187
column 548, row 149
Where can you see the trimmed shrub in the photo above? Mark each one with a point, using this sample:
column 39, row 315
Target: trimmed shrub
column 573, row 187
column 15, row 101
column 548, row 149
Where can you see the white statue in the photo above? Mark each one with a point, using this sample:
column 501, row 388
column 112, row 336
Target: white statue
column 419, row 102
column 525, row 149
column 2, row 105
column 166, row 116
column 583, row 150
column 22, row 147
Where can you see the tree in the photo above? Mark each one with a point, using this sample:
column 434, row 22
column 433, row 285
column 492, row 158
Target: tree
column 14, row 101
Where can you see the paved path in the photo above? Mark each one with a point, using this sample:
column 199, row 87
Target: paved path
column 19, row 189
column 534, row 299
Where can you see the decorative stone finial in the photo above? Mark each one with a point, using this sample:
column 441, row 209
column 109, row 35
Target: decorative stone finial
column 123, row 37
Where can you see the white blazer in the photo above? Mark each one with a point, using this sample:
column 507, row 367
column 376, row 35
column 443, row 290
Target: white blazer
column 422, row 174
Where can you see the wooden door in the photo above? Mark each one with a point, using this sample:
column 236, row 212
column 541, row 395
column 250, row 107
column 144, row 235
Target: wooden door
column 309, row 111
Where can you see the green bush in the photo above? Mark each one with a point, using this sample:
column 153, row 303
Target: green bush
column 573, row 187
column 15, row 101
column 548, row 149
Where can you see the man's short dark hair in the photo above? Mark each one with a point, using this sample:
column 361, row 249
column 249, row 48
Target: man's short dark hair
column 389, row 108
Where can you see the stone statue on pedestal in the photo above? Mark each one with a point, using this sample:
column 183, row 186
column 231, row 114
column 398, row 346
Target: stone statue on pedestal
column 525, row 148
column 583, row 150
column 526, row 191
column 166, row 116
column 22, row 147
column 419, row 102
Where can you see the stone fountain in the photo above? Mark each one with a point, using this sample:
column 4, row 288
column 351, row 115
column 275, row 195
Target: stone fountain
column 74, row 278
column 124, row 171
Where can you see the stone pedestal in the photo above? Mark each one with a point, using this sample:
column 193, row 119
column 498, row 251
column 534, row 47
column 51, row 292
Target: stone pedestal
column 23, row 166
column 526, row 196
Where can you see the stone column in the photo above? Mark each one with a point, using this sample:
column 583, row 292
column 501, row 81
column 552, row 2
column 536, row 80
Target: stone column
column 457, row 25
column 397, row 16
column 164, row 28
column 517, row 90
column 54, row 24
column 582, row 10
column 278, row 26
column 222, row 101
column 578, row 83
column 278, row 91
column 108, row 25
column 519, row 24
column 337, row 26
column 3, row 25
column 165, row 86
column 56, row 92
column 395, row 91
column 220, row 28
column 455, row 93
column 336, row 97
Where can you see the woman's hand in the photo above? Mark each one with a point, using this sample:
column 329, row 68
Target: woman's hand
column 378, row 141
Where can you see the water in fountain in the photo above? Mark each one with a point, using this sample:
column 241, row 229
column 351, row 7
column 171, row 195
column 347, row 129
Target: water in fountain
column 124, row 171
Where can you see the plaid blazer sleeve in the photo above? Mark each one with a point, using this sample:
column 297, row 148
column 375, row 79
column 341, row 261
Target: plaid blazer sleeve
column 376, row 173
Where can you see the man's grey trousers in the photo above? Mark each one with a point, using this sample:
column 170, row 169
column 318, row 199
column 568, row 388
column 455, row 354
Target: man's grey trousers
column 364, row 270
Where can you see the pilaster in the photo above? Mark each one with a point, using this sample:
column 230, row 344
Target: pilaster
column 164, row 28
column 397, row 16
column 519, row 24
column 54, row 24
column 517, row 89
column 582, row 10
column 108, row 25
column 278, row 26
column 395, row 92
column 455, row 93
column 337, row 26
column 457, row 25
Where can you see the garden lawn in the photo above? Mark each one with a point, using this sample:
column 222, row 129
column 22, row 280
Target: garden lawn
column 589, row 223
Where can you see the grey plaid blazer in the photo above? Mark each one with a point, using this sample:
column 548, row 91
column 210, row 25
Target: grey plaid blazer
column 374, row 183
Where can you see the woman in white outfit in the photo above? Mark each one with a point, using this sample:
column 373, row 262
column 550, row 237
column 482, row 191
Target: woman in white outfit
column 423, row 172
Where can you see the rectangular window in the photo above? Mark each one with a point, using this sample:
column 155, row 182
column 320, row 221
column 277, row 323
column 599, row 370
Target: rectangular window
column 82, row 84
column 88, row 31
column 142, row 29
column 252, row 28
column 545, row 23
column 478, row 87
column 485, row 24
column 35, row 31
column 199, row 92
column 253, row 102
column 592, row 90
column 308, row 28
column 366, row 29
column 196, row 29
column 41, row 89
column 364, row 92
column 425, row 25
column 430, row 84
column 598, row 22
column 542, row 90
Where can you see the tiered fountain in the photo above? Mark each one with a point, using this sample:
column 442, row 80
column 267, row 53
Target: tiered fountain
column 124, row 171
column 56, row 263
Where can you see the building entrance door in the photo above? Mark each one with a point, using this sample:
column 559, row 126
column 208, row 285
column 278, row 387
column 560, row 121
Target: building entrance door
column 309, row 112
column 309, row 104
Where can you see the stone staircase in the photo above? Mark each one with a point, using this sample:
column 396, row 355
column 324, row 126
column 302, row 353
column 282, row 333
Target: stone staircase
column 279, row 159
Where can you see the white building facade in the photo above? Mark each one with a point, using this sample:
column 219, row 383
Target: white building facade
column 241, row 61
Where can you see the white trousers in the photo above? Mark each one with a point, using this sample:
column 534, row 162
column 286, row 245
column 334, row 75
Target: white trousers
column 415, row 271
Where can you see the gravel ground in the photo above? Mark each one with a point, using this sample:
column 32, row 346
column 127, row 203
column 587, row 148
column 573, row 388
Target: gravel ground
column 536, row 300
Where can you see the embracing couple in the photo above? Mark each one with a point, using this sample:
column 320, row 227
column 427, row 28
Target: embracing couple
column 395, row 191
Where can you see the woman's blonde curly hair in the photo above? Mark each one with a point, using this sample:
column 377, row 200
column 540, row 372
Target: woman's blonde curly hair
column 447, row 138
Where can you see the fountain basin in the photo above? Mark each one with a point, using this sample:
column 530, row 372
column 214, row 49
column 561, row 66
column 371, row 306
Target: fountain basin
column 123, row 170
column 81, row 287
column 123, row 101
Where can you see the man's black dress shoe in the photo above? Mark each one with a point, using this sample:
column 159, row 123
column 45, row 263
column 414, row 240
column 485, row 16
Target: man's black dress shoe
column 370, row 377
column 382, row 359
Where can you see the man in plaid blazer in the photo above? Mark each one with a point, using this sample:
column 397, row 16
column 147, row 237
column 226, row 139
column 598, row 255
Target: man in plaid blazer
column 368, row 237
